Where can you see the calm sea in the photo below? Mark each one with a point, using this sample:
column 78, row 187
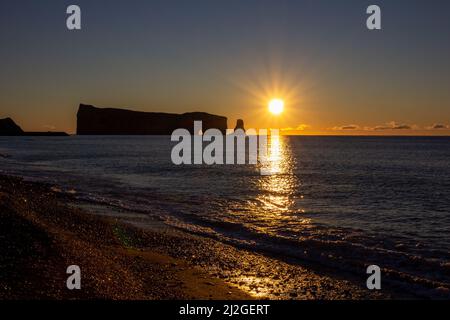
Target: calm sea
column 345, row 202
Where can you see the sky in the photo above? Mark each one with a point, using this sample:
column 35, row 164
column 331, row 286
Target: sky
column 229, row 58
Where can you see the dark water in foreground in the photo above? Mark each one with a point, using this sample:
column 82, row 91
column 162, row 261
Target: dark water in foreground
column 345, row 202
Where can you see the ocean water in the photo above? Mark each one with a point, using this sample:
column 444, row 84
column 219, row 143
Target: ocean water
column 344, row 202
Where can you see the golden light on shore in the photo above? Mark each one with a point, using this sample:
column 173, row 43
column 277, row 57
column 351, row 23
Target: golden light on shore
column 276, row 106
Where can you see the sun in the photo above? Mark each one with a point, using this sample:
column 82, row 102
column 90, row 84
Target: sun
column 276, row 106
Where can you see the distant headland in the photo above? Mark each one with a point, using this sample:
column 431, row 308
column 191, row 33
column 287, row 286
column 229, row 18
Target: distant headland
column 9, row 128
column 110, row 121
column 92, row 120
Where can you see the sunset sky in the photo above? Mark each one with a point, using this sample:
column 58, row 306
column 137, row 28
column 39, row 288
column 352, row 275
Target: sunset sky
column 230, row 58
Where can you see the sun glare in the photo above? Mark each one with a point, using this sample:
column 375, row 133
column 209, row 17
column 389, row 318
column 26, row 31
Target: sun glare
column 276, row 106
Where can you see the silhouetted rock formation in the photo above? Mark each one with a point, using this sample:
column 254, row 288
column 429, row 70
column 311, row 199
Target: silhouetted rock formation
column 239, row 125
column 109, row 121
column 9, row 128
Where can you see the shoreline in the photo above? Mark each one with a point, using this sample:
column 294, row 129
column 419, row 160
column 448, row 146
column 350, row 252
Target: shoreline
column 45, row 231
column 41, row 237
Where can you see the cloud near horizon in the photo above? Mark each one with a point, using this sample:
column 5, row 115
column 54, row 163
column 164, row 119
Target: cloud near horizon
column 347, row 127
column 300, row 127
column 438, row 126
column 392, row 125
column 395, row 126
column 49, row 127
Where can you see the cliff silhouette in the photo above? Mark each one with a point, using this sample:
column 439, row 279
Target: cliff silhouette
column 9, row 128
column 111, row 121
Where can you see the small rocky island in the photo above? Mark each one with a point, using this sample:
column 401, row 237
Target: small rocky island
column 239, row 125
column 110, row 121
column 9, row 128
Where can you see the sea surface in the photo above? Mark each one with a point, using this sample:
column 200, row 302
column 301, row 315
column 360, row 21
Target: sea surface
column 343, row 202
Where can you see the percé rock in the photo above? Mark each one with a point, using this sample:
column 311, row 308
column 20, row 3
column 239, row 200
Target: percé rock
column 9, row 128
column 110, row 121
column 239, row 125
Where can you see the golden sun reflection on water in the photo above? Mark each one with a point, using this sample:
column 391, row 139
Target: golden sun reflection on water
column 274, row 211
column 278, row 188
